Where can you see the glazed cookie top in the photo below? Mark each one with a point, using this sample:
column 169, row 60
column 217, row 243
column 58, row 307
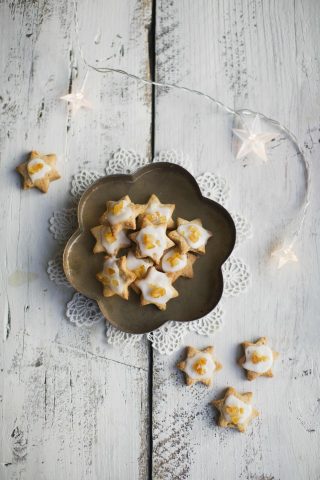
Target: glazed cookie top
column 236, row 411
column 259, row 358
column 120, row 211
column 173, row 260
column 190, row 235
column 151, row 242
column 115, row 277
column 138, row 265
column 109, row 242
column 111, row 276
column 156, row 288
column 195, row 235
column 37, row 169
column 121, row 214
column 199, row 365
column 157, row 213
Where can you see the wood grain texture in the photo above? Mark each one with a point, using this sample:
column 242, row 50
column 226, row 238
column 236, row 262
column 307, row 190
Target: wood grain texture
column 71, row 406
column 259, row 55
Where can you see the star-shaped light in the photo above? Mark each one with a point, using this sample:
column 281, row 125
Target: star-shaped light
column 254, row 140
column 284, row 255
column 77, row 99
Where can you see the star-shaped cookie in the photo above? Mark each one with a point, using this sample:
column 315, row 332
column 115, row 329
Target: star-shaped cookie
column 38, row 171
column 199, row 366
column 190, row 236
column 121, row 214
column 151, row 242
column 157, row 213
column 139, row 266
column 108, row 242
column 115, row 277
column 235, row 409
column 156, row 288
column 177, row 264
column 258, row 359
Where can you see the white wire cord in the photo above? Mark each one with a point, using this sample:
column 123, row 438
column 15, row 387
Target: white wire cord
column 240, row 114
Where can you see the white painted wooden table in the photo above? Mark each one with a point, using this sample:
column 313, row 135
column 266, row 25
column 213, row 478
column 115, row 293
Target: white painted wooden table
column 72, row 406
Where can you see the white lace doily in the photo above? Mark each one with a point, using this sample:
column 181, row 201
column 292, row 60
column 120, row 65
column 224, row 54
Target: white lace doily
column 85, row 312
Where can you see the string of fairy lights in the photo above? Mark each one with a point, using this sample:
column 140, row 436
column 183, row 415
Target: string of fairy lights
column 252, row 137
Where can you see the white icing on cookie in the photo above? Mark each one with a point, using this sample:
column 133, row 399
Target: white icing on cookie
column 173, row 260
column 119, row 212
column 236, row 411
column 152, row 241
column 156, row 208
column 112, row 274
column 156, row 287
column 259, row 358
column 111, row 243
column 201, row 366
column 138, row 265
column 195, row 235
column 37, row 169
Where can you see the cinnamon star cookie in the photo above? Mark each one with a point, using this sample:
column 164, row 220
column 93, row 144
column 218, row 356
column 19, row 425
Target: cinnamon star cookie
column 190, row 236
column 38, row 171
column 177, row 264
column 199, row 366
column 157, row 213
column 106, row 241
column 151, row 242
column 115, row 277
column 139, row 266
column 235, row 409
column 156, row 288
column 258, row 359
column 122, row 214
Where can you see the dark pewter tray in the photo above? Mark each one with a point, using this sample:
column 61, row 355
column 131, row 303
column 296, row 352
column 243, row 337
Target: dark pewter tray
column 172, row 184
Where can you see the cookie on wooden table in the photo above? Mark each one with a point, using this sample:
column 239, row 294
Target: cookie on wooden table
column 115, row 277
column 258, row 359
column 177, row 264
column 236, row 410
column 122, row 214
column 108, row 242
column 199, row 366
column 157, row 213
column 151, row 242
column 38, row 171
column 190, row 236
column 156, row 289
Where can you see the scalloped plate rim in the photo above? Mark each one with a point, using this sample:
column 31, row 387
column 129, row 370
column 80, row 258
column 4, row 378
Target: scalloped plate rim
column 133, row 177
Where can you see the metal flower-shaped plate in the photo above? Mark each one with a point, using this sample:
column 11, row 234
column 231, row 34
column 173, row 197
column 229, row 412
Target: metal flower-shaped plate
column 172, row 184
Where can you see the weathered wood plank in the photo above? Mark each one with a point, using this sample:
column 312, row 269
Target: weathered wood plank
column 258, row 55
column 70, row 404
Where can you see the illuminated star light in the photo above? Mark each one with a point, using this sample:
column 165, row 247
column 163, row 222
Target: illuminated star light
column 284, row 255
column 253, row 140
column 77, row 99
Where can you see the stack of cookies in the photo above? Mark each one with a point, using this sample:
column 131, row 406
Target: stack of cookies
column 159, row 250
